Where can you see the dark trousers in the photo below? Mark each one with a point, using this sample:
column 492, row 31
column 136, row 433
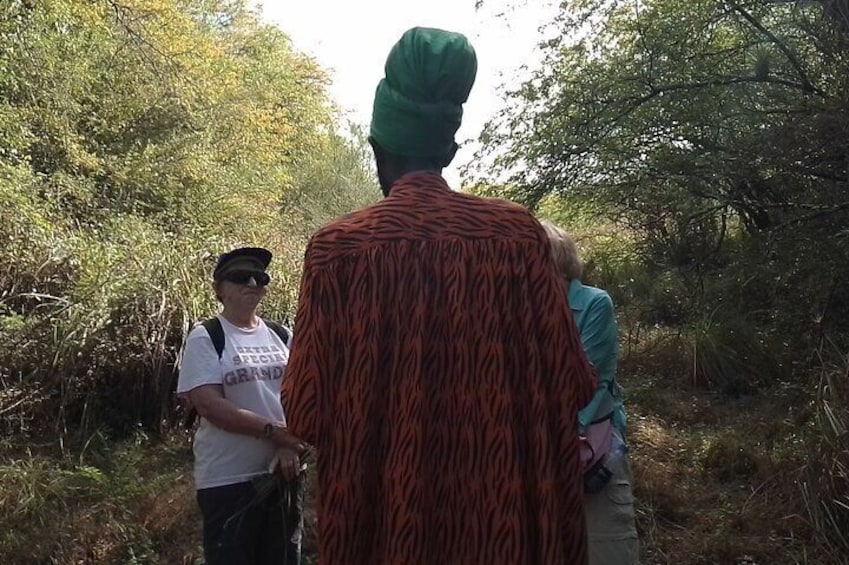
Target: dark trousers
column 253, row 523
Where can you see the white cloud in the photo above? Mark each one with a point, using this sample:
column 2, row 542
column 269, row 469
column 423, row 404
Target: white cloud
column 352, row 39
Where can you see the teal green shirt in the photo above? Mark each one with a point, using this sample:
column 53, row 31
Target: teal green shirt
column 595, row 318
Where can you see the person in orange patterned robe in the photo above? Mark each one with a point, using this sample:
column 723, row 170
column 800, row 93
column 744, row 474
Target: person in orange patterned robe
column 437, row 369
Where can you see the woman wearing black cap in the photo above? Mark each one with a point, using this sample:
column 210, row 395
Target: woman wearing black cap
column 246, row 463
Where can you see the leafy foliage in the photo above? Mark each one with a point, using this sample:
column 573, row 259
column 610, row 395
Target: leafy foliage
column 712, row 131
column 138, row 138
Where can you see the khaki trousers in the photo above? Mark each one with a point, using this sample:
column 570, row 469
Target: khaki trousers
column 611, row 527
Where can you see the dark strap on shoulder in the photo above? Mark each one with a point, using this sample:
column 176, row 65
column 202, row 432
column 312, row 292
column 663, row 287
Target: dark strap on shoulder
column 216, row 334
column 281, row 331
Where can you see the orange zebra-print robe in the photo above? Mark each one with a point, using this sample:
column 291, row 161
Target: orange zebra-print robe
column 437, row 371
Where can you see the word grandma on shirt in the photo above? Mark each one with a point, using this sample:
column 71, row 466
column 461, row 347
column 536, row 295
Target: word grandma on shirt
column 253, row 373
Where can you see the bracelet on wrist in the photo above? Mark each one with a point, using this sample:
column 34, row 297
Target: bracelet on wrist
column 268, row 430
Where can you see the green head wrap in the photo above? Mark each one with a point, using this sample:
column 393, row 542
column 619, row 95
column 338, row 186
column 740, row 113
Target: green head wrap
column 418, row 107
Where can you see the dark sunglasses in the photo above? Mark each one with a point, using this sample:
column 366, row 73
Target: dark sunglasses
column 243, row 277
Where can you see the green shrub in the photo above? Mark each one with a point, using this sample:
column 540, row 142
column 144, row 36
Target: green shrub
column 119, row 184
column 124, row 502
column 728, row 458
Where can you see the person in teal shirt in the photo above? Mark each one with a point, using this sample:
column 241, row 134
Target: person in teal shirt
column 592, row 310
column 611, row 527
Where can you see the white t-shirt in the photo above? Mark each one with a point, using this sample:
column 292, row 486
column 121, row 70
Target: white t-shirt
column 250, row 371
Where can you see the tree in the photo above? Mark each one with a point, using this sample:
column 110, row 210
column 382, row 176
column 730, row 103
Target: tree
column 138, row 138
column 715, row 130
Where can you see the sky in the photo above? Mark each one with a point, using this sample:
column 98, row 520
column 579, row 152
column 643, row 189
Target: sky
column 351, row 39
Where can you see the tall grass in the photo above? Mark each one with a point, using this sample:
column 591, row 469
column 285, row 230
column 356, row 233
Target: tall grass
column 825, row 478
column 114, row 502
column 89, row 333
column 92, row 317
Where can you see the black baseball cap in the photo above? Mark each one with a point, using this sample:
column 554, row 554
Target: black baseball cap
column 259, row 256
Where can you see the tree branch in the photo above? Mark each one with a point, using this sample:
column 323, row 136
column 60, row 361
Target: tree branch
column 725, row 81
column 812, row 216
column 791, row 57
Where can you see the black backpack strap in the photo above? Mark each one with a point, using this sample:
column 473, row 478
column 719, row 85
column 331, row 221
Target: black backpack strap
column 279, row 329
column 216, row 334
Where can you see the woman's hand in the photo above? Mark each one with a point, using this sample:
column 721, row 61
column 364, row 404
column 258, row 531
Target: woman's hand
column 287, row 463
column 210, row 403
column 281, row 438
